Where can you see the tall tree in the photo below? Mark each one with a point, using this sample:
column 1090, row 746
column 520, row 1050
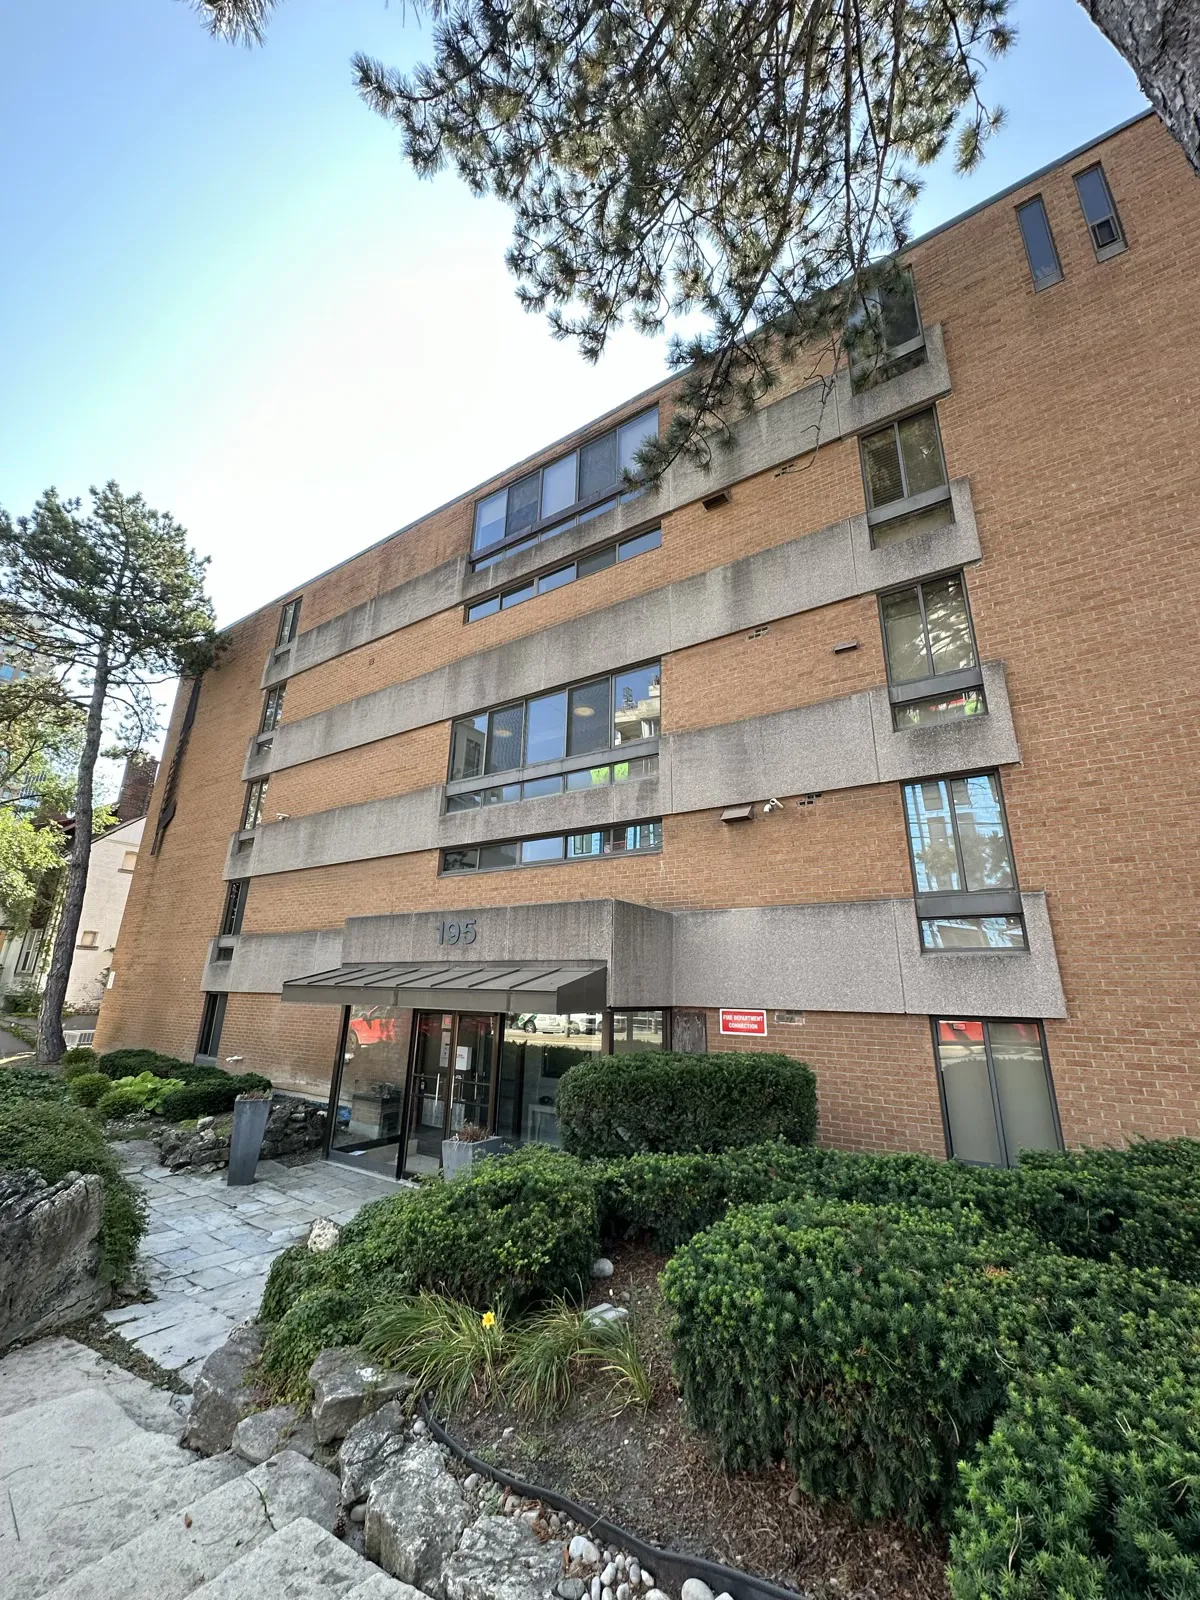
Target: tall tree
column 741, row 162
column 114, row 600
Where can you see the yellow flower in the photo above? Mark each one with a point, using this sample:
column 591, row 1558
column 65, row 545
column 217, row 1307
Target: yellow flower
column 489, row 1319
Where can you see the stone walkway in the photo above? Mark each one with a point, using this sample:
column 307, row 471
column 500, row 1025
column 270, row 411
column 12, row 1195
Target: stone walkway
column 208, row 1248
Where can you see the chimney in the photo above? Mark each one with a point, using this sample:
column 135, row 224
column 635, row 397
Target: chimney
column 137, row 784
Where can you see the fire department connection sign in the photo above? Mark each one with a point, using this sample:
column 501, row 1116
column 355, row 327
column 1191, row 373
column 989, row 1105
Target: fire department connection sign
column 744, row 1022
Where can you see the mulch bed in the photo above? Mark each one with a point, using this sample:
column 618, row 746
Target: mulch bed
column 658, row 1477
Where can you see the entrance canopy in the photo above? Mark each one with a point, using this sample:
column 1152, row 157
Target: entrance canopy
column 457, row 986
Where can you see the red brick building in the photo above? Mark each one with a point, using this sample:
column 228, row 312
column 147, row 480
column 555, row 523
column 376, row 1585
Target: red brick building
column 881, row 731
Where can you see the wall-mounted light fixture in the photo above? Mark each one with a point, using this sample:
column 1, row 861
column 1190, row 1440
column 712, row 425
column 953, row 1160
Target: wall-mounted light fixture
column 722, row 497
column 737, row 814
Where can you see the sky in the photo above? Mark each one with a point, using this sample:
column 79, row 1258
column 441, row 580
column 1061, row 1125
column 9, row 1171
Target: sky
column 221, row 285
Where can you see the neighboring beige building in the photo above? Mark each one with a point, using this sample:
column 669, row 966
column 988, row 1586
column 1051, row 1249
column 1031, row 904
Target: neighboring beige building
column 110, row 872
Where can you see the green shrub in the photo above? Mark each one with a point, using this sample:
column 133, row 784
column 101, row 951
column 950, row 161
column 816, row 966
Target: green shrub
column 89, row 1087
column 116, row 1103
column 55, row 1138
column 618, row 1105
column 126, row 1063
column 73, row 1063
column 871, row 1347
column 27, row 1083
column 209, row 1096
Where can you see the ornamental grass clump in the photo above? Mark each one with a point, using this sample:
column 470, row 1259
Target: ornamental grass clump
column 659, row 1101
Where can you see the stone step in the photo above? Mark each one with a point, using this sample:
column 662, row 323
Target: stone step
column 69, row 1428
column 194, row 1545
column 51, row 1368
column 60, row 1516
column 304, row 1562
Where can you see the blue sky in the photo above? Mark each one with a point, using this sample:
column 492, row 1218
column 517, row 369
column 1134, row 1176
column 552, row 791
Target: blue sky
column 221, row 286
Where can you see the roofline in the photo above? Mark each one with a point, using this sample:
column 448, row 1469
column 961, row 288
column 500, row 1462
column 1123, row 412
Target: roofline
column 657, row 388
column 1030, row 177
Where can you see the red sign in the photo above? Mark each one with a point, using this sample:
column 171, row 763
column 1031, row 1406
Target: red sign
column 754, row 1022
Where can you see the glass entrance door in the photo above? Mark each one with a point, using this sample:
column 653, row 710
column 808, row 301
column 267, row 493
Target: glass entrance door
column 368, row 1098
column 453, row 1064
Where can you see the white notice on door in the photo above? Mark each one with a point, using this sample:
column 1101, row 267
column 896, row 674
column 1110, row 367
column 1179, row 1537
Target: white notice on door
column 462, row 1058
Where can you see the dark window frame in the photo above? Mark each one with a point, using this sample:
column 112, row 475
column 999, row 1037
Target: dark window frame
column 289, row 622
column 567, row 762
column 1028, row 205
column 931, row 905
column 234, row 909
column 992, row 1085
column 564, row 860
column 212, row 1021
column 907, row 503
column 256, row 794
column 567, row 514
column 272, row 708
column 937, row 684
column 498, row 600
column 1117, row 246
column 890, row 360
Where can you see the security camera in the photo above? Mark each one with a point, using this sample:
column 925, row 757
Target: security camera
column 772, row 805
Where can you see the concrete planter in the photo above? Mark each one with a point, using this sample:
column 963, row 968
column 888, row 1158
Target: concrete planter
column 249, row 1124
column 458, row 1154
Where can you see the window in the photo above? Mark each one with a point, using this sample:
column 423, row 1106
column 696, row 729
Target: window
column 31, row 944
column 256, row 795
column 638, row 1030
column 903, row 467
column 996, row 1090
column 531, row 788
column 89, row 939
column 209, row 1041
column 582, row 720
column 568, row 488
column 930, row 650
column 633, row 839
column 289, row 621
column 1039, row 243
column 129, row 860
column 272, row 709
column 1100, row 214
column 624, row 550
column 883, row 335
column 235, row 907
column 966, row 884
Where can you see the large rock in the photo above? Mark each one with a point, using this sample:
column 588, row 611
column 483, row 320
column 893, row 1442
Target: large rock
column 416, row 1513
column 224, row 1392
column 264, row 1433
column 370, row 1448
column 348, row 1385
column 500, row 1558
column 49, row 1254
column 292, row 1125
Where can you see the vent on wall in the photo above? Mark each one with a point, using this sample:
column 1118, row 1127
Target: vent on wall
column 809, row 799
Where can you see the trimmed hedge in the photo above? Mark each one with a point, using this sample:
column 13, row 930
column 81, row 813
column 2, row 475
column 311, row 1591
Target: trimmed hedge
column 127, row 1063
column 872, row 1347
column 515, row 1231
column 54, row 1138
column 647, row 1101
column 73, row 1063
column 210, row 1095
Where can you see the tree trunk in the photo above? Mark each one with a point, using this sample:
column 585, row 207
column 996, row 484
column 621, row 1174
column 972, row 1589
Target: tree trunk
column 50, row 1043
column 1160, row 39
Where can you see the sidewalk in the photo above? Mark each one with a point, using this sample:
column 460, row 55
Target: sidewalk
column 209, row 1248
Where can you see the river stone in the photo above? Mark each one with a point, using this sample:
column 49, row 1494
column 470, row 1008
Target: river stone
column 347, row 1385
column 696, row 1589
column 602, row 1267
column 49, row 1252
column 572, row 1588
column 223, row 1392
column 264, row 1433
column 501, row 1559
column 582, row 1549
column 416, row 1512
column 371, row 1446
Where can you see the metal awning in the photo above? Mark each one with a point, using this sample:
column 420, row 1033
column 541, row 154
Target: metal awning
column 457, row 986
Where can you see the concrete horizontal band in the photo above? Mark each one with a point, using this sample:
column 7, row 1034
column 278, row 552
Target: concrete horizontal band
column 819, row 569
column 836, row 744
column 860, row 956
column 770, row 436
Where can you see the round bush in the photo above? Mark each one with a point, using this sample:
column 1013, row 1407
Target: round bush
column 116, row 1103
column 618, row 1105
column 79, row 1060
column 126, row 1063
column 89, row 1087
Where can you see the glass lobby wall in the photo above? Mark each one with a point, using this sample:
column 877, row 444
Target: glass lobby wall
column 453, row 1061
column 638, row 1030
column 370, row 1089
column 538, row 1050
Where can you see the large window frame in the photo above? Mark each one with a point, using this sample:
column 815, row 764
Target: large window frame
column 521, row 505
column 1033, row 222
column 256, row 797
column 908, row 502
column 1009, row 1156
column 874, row 355
column 554, row 849
column 524, row 770
column 583, row 566
column 289, row 623
column 908, row 695
column 212, row 1020
column 1104, row 244
column 964, row 904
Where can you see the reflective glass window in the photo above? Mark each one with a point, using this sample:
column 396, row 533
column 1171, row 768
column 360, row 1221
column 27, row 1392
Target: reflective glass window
column 483, row 608
column 523, row 502
column 639, row 544
column 514, row 597
column 504, row 739
column 589, row 717
column 534, row 787
column 637, row 704
column 490, row 520
column 546, row 728
column 638, row 1030
column 632, row 437
column 598, row 466
column 503, row 794
column 498, row 855
column 558, row 485
column 972, row 933
column 468, row 737
column 589, row 778
column 1044, row 265
column 996, row 1089
column 597, row 561
column 945, row 708
column 555, row 580
column 1097, row 204
column 548, row 849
